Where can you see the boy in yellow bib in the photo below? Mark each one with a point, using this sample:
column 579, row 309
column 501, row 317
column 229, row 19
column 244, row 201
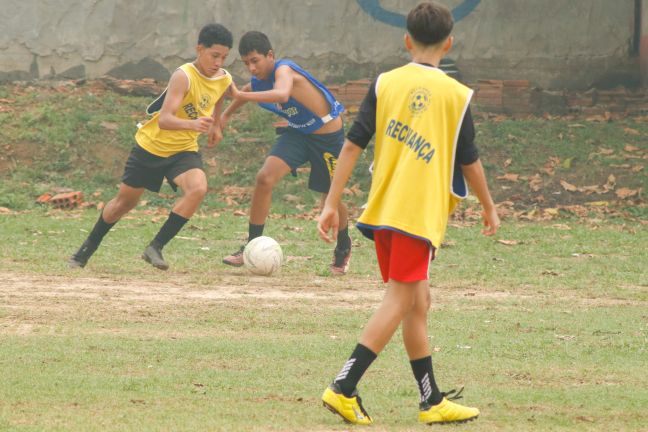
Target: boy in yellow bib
column 167, row 146
column 424, row 150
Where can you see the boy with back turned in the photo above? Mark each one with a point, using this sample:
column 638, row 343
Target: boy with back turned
column 424, row 153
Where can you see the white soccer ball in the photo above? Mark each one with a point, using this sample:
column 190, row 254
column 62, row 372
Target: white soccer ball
column 263, row 256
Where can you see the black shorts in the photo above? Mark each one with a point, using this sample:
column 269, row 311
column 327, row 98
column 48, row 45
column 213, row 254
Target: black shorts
column 144, row 169
column 321, row 151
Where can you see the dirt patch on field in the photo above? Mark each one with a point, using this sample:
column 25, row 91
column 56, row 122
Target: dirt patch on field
column 30, row 299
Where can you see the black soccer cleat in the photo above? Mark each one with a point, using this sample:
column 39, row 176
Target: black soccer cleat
column 153, row 255
column 81, row 257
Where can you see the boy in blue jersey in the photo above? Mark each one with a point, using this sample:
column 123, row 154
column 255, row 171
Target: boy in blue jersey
column 424, row 144
column 314, row 134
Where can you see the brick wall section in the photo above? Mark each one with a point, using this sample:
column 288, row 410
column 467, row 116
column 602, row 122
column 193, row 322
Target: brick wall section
column 519, row 97
column 351, row 93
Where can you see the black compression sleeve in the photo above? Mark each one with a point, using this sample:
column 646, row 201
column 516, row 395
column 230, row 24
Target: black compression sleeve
column 364, row 126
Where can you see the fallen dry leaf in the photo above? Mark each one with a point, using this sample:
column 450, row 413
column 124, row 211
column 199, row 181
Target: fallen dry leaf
column 624, row 193
column 230, row 202
column 582, row 255
column 598, row 203
column 535, row 182
column 509, row 177
column 290, row 258
column 239, row 213
column 551, row 164
column 562, row 227
column 631, row 131
column 568, row 186
column 291, row 198
column 631, row 148
column 611, row 183
column 567, row 163
column 109, row 125
column 508, row 242
column 588, row 190
column 586, row 419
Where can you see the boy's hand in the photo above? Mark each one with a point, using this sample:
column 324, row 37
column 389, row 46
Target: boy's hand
column 202, row 124
column 234, row 91
column 215, row 136
column 491, row 221
column 328, row 220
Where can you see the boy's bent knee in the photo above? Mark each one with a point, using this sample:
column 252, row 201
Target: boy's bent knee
column 198, row 191
column 265, row 179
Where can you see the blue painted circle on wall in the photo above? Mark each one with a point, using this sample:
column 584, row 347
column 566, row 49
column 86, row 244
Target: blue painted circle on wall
column 376, row 11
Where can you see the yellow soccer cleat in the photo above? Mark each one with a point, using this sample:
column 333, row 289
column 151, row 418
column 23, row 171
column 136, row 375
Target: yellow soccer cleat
column 447, row 411
column 349, row 408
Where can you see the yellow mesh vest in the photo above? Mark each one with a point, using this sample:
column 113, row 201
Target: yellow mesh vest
column 418, row 117
column 199, row 101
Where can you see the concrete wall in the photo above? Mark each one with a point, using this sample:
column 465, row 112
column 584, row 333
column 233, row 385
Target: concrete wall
column 553, row 43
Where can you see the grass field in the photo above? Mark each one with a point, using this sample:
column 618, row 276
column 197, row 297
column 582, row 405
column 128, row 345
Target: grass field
column 550, row 333
column 546, row 325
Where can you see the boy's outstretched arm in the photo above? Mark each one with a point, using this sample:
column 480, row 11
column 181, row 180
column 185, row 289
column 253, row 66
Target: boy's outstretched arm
column 279, row 94
column 329, row 218
column 474, row 174
column 215, row 134
column 178, row 85
column 234, row 105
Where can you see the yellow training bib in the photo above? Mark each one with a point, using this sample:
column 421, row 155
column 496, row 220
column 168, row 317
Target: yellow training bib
column 418, row 118
column 199, row 101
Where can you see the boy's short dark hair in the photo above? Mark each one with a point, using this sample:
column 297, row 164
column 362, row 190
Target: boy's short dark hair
column 254, row 41
column 215, row 34
column 430, row 23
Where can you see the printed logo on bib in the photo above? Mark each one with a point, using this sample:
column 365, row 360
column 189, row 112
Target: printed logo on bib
column 205, row 101
column 419, row 100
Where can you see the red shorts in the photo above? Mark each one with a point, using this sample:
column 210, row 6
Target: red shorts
column 401, row 257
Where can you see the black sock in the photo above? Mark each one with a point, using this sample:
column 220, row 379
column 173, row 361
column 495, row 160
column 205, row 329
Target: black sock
column 354, row 368
column 171, row 227
column 424, row 376
column 255, row 231
column 343, row 240
column 100, row 229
